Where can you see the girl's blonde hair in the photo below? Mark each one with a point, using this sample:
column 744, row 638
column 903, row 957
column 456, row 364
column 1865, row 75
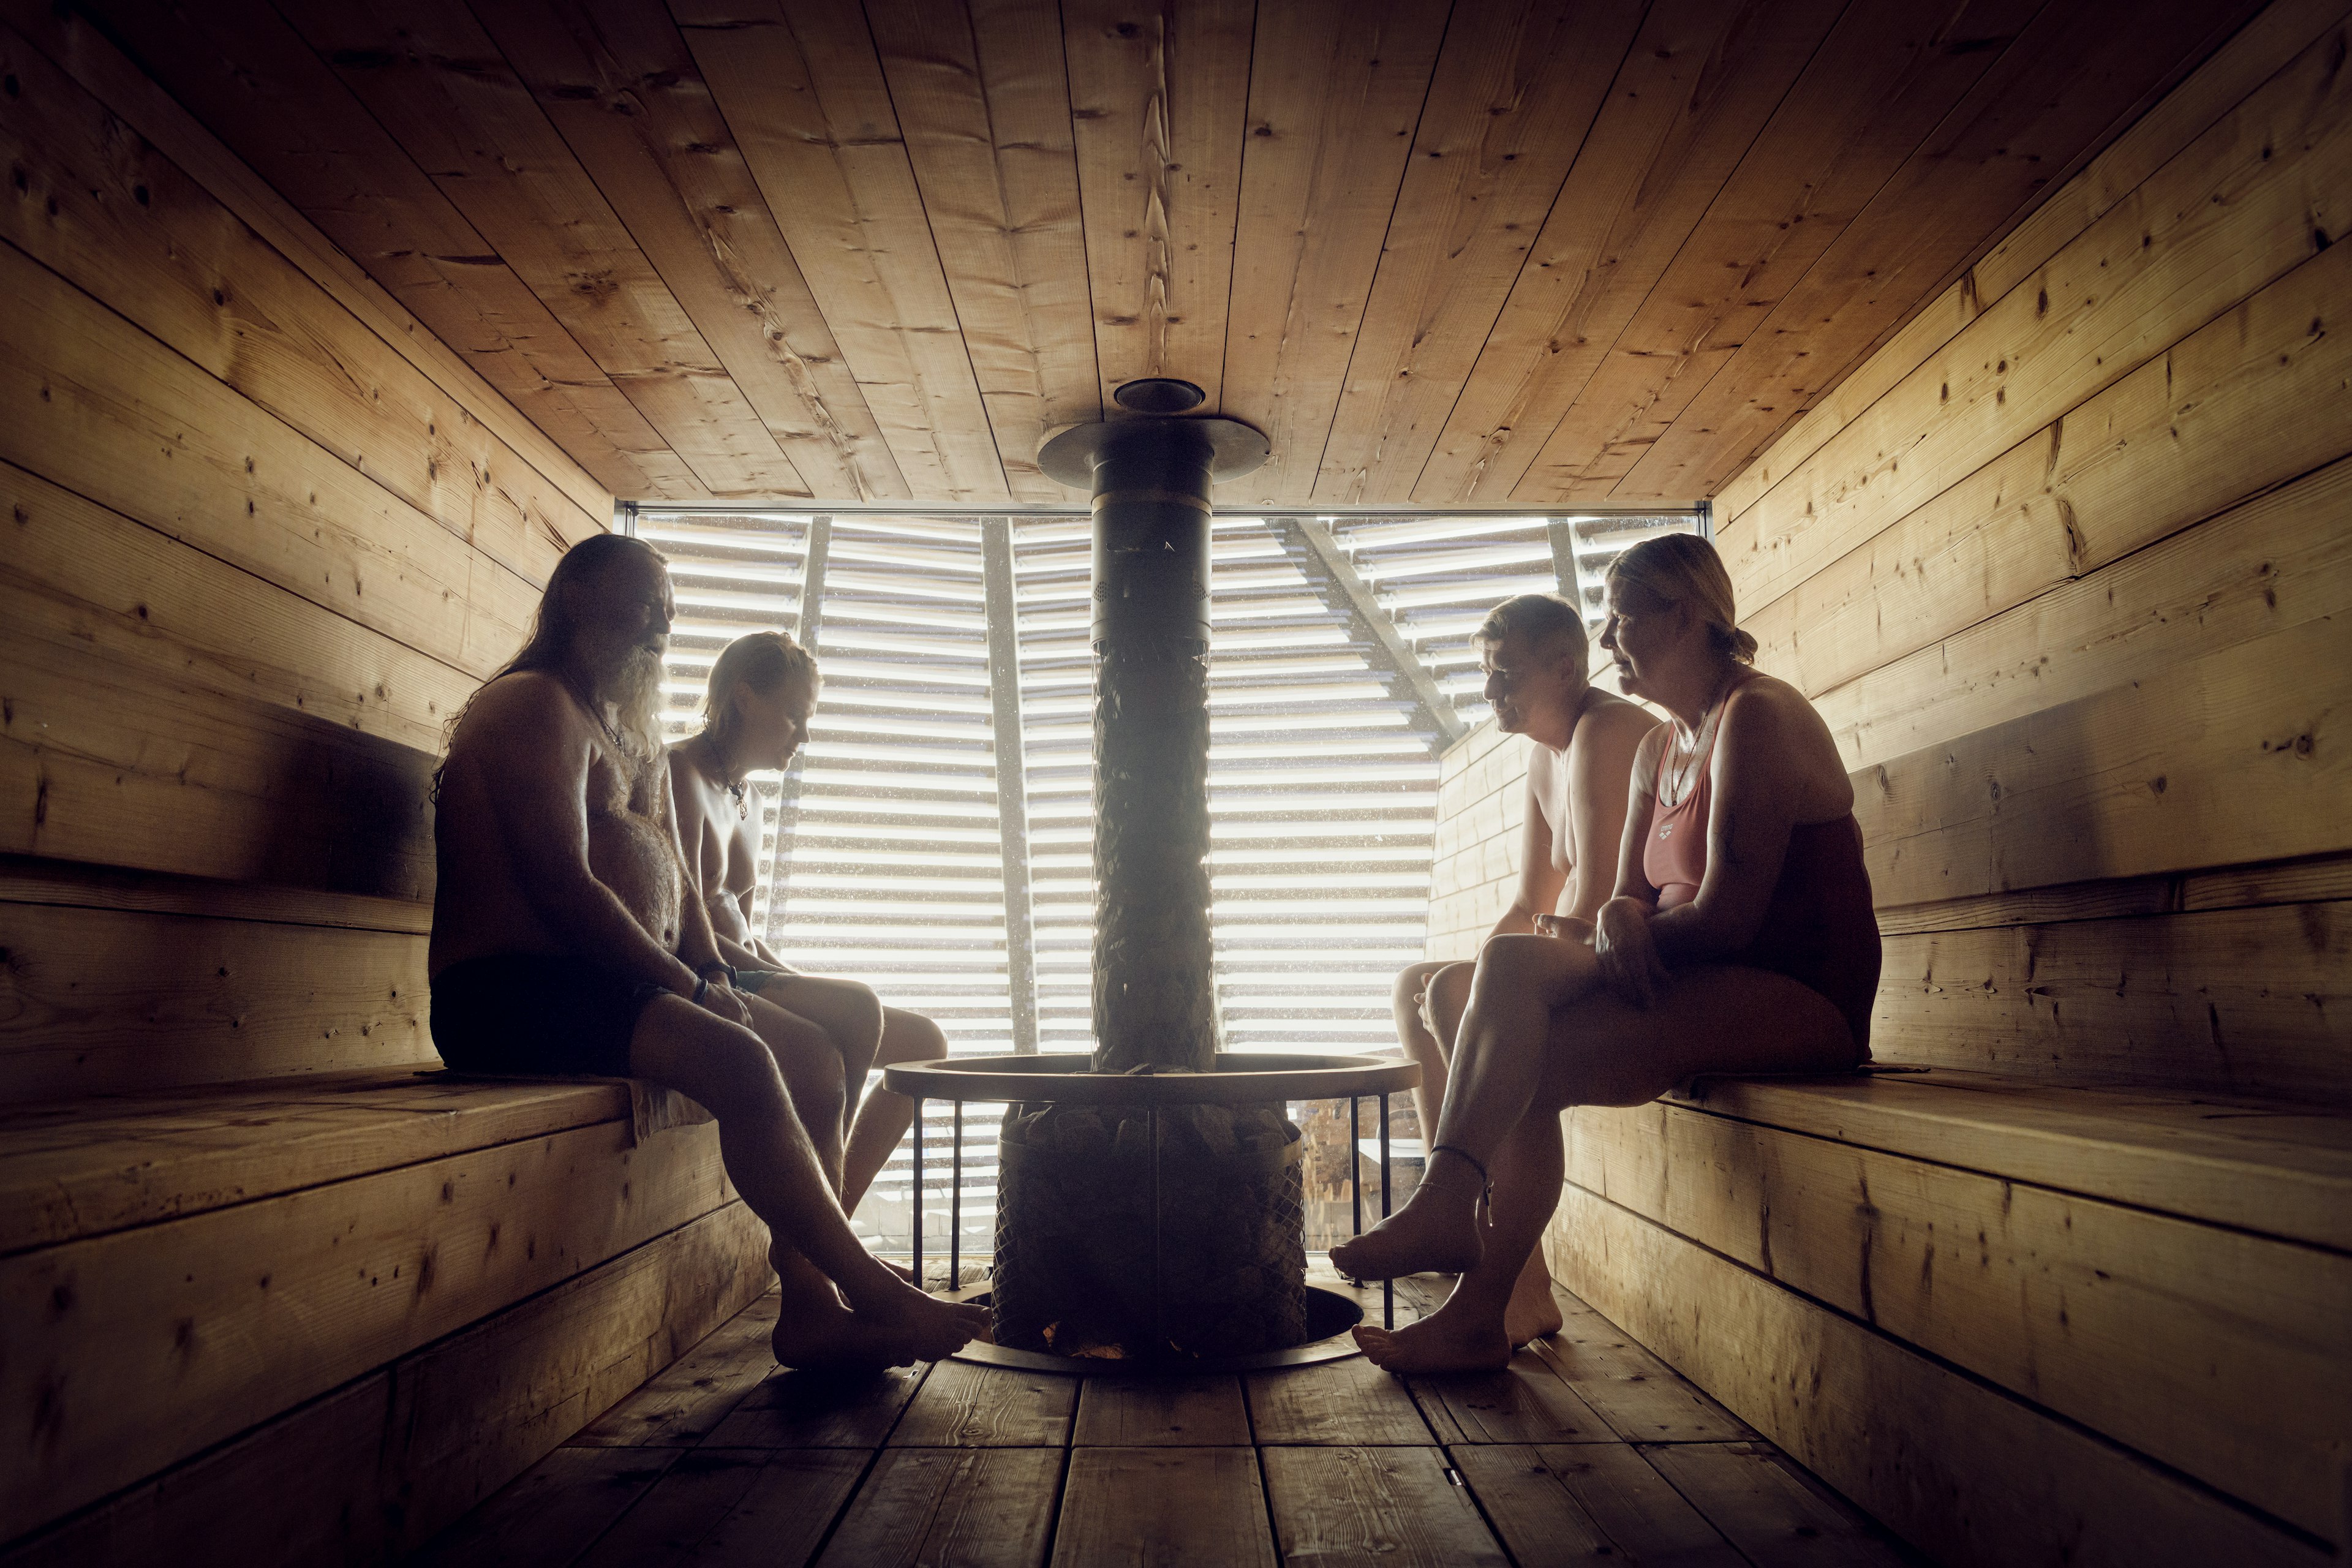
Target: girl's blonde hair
column 1683, row 569
column 762, row 661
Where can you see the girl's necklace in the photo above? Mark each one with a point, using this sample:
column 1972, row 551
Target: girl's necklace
column 1679, row 784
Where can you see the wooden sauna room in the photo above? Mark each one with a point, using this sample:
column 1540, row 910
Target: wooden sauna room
column 1997, row 350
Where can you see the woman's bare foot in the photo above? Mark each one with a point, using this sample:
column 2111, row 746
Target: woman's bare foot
column 1449, row 1340
column 1534, row 1311
column 1436, row 1232
column 888, row 1322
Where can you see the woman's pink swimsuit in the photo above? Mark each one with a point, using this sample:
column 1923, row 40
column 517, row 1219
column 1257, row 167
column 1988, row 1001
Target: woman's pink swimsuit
column 1819, row 930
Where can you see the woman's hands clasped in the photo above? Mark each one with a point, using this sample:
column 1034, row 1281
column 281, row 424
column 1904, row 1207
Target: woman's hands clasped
column 1630, row 965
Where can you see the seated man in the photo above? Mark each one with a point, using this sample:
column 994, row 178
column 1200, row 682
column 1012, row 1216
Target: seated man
column 1533, row 648
column 564, row 941
column 762, row 690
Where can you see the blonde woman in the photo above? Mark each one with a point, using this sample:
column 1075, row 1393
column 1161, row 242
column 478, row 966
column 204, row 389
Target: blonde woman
column 762, row 690
column 1739, row 939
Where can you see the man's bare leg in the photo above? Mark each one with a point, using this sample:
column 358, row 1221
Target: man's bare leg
column 769, row 1156
column 885, row 1116
column 1409, row 1003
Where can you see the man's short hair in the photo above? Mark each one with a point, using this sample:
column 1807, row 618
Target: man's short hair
column 1549, row 623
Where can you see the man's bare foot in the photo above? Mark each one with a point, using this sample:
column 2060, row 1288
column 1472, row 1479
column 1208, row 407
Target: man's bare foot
column 1534, row 1311
column 1436, row 1232
column 834, row 1338
column 1448, row 1339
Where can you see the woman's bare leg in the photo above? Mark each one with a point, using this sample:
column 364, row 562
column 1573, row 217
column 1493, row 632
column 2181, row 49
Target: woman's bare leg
column 847, row 1011
column 1498, row 1064
column 732, row 1071
column 807, row 1056
column 1421, row 1044
column 1605, row 1052
column 885, row 1116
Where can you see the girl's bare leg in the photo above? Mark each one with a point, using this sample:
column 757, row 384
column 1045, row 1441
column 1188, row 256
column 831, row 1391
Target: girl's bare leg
column 1421, row 1044
column 806, row 1054
column 885, row 1115
column 1604, row 1052
column 1498, row 1064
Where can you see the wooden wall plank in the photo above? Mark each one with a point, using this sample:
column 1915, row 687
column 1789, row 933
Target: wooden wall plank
column 242, row 69
column 2229, row 215
column 135, row 1350
column 1961, row 1471
column 92, row 60
column 103, row 207
column 618, row 84
column 983, row 98
column 682, row 1407
column 2274, row 35
column 93, row 404
column 1336, row 91
column 1159, row 97
column 105, row 764
column 2251, row 1002
column 30, row 879
column 2234, row 409
column 1688, row 112
column 1517, row 89
column 2074, row 75
column 435, row 82
column 2221, row 761
column 2261, row 569
column 2207, row 1349
column 805, row 95
column 363, row 1473
column 102, row 1001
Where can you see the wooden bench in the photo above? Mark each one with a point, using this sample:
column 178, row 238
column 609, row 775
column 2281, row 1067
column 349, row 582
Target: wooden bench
column 322, row 1316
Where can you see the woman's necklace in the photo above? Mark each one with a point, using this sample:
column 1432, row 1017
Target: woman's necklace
column 1676, row 786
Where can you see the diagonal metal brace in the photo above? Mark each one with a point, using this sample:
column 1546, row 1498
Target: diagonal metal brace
column 1340, row 572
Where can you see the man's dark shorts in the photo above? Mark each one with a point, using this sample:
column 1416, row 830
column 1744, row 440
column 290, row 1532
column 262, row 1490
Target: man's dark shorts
column 536, row 1014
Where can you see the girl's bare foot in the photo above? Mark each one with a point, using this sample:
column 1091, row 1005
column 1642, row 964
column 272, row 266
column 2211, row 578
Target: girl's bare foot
column 1533, row 1312
column 1448, row 1339
column 1436, row 1232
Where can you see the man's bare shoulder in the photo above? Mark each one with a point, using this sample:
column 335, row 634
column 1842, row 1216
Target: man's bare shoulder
column 1615, row 719
column 522, row 706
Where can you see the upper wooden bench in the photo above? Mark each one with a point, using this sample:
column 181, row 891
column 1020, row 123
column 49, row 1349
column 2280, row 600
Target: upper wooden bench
column 400, row 1287
column 2011, row 1318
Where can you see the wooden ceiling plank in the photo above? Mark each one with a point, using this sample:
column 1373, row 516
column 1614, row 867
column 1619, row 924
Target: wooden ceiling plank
column 1158, row 92
column 984, row 100
column 799, row 83
column 257, row 86
column 1875, row 90
column 1516, row 89
column 2250, row 58
column 2075, row 75
column 618, row 83
column 1699, row 82
column 436, row 82
column 1335, row 90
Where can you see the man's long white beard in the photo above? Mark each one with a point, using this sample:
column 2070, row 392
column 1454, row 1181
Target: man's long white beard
column 633, row 689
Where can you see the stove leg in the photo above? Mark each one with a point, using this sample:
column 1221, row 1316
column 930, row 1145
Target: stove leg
column 1159, row 1305
column 1355, row 1160
column 955, row 1208
column 1387, row 1287
column 916, row 1240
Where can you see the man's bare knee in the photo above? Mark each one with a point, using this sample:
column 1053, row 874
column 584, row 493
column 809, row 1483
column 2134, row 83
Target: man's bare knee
column 909, row 1038
column 1413, row 980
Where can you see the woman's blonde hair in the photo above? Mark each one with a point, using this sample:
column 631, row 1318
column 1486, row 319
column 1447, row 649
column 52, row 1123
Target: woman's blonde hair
column 762, row 661
column 1683, row 569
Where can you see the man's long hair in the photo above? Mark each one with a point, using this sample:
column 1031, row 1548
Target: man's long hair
column 553, row 631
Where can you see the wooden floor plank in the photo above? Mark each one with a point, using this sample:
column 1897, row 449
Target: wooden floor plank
column 820, row 1410
column 1773, row 1512
column 685, row 1405
column 1527, row 1401
column 1189, row 1412
column 1163, row 1505
column 549, row 1514
column 975, row 1508
column 1349, row 1401
column 1642, row 1398
column 1394, row 1506
column 1588, row 1503
column 962, row 1406
column 723, row 1505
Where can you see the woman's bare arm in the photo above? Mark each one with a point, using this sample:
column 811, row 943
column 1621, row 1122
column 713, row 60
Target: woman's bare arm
column 1598, row 793
column 1760, row 786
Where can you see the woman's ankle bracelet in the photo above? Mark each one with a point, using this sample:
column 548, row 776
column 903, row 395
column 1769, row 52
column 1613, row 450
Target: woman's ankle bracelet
column 1486, row 1182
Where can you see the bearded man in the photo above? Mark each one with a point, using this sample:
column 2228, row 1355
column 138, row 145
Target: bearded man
column 566, row 940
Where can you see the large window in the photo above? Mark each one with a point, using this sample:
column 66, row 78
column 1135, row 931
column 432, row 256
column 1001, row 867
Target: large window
column 934, row 838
